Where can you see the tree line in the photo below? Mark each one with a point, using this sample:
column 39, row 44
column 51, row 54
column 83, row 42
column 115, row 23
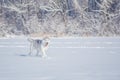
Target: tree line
column 60, row 17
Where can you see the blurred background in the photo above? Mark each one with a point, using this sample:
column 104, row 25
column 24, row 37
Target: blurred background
column 76, row 18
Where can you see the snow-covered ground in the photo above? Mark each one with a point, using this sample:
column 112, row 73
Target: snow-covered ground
column 68, row 59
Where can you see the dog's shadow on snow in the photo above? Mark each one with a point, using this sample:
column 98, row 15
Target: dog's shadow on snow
column 27, row 55
column 33, row 56
column 23, row 55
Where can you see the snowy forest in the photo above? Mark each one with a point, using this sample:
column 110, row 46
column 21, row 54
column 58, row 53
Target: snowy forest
column 60, row 17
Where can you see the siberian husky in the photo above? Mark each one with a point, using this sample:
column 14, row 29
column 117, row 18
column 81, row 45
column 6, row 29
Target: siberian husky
column 40, row 45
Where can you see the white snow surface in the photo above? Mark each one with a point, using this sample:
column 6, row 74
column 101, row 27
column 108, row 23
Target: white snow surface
column 68, row 59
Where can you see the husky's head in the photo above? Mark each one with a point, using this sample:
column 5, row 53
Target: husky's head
column 46, row 41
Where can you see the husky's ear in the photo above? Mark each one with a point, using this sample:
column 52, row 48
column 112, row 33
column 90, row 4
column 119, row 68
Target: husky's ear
column 46, row 38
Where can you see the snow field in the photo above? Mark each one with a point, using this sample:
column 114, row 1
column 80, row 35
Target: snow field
column 68, row 59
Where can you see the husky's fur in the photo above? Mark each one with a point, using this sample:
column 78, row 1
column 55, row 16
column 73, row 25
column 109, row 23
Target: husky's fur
column 40, row 45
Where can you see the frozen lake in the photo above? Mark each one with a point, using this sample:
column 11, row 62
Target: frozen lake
column 68, row 59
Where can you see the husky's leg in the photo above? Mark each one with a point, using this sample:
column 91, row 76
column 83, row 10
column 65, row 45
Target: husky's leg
column 37, row 52
column 31, row 48
column 43, row 53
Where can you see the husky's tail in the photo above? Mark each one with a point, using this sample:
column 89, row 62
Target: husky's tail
column 30, row 39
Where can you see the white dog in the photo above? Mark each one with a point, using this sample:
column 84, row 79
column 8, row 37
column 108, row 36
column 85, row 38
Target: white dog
column 40, row 45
